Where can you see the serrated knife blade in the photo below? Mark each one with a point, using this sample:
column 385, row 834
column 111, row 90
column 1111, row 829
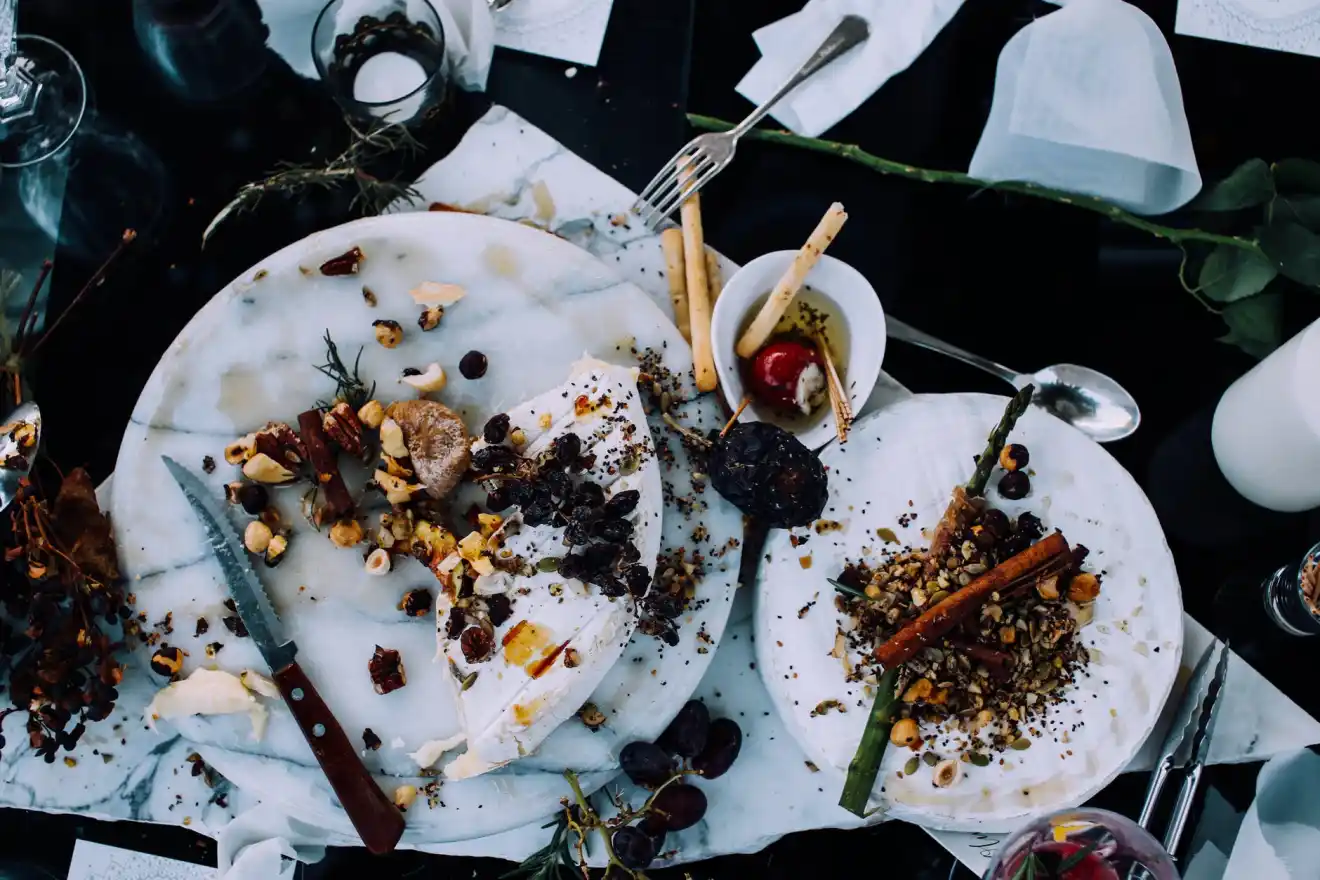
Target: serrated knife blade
column 374, row 816
column 250, row 599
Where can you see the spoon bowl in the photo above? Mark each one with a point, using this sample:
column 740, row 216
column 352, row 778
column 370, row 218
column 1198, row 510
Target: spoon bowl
column 20, row 438
column 1086, row 399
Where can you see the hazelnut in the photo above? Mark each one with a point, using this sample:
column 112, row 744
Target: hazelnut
column 257, row 536
column 262, row 468
column 904, row 732
column 918, row 690
column 431, row 379
column 430, row 317
column 1013, row 457
column 1084, row 587
column 241, row 449
column 371, row 414
column 252, row 496
column 391, row 439
column 346, row 533
column 275, row 552
column 1049, row 587
column 946, row 773
column 388, row 333
column 404, row 796
column 167, row 661
column 396, row 489
column 1014, row 485
column 378, row 560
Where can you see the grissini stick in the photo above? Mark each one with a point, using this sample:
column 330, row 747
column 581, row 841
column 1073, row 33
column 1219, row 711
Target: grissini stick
column 764, row 323
column 671, row 241
column 698, row 288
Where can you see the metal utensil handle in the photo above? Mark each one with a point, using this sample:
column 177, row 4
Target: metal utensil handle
column 907, row 333
column 851, row 31
column 1182, row 810
column 1157, row 780
column 8, row 29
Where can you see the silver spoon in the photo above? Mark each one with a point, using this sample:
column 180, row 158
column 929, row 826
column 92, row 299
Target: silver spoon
column 18, row 449
column 1086, row 399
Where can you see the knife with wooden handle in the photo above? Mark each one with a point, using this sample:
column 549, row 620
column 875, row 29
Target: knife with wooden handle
column 374, row 815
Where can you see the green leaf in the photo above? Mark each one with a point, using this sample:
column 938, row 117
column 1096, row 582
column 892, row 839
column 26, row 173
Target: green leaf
column 1231, row 273
column 1297, row 176
column 1294, row 249
column 1303, row 209
column 1255, row 325
column 1250, row 184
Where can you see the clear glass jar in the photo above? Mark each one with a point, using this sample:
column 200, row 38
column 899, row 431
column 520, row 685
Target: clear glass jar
column 1292, row 593
column 1094, row 844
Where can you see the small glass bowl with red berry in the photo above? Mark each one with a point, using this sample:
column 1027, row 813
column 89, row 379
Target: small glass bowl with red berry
column 787, row 379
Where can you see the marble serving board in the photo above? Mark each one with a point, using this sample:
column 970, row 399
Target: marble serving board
column 534, row 305
column 509, row 168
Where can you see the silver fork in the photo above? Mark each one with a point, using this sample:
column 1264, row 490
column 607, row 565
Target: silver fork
column 708, row 154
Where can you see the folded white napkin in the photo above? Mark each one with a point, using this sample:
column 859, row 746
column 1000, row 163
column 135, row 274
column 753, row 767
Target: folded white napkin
column 1087, row 100
column 900, row 31
column 469, row 35
column 1280, row 835
column 265, row 844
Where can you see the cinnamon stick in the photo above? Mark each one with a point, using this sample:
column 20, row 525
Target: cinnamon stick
column 937, row 620
column 338, row 501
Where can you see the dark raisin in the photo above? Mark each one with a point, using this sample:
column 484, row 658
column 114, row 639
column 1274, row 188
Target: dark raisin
column 646, row 763
column 498, row 500
column 1014, row 485
column 472, row 365
column 577, row 533
column 518, row 491
column 370, row 740
column 585, row 462
column 686, row 734
column 616, row 530
column 538, row 512
column 416, row 603
column 1079, row 554
column 1029, row 525
column 663, row 605
column 454, row 623
column 609, row 585
column 496, row 429
column 203, row 626
column 253, row 497
column 632, row 847
column 589, row 494
column 235, row 625
column 499, row 607
column 558, row 483
column 638, row 579
column 681, row 806
column 406, row 372
column 629, row 554
column 996, row 522
column 599, row 557
column 571, row 567
column 622, row 503
column 567, row 447
column 494, row 459
column 766, row 472
column 723, row 743
column 476, row 644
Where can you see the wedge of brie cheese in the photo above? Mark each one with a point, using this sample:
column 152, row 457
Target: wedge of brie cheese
column 526, row 643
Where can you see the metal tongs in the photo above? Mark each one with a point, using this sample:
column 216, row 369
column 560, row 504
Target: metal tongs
column 1187, row 744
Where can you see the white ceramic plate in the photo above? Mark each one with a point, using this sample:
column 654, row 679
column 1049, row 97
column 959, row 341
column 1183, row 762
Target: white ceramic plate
column 913, row 453
column 535, row 304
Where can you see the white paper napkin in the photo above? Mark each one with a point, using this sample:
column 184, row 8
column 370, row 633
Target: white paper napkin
column 570, row 30
column 469, row 36
column 900, row 31
column 1280, row 835
column 1087, row 100
column 263, row 844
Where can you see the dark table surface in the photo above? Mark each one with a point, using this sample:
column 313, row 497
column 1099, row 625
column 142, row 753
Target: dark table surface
column 1023, row 282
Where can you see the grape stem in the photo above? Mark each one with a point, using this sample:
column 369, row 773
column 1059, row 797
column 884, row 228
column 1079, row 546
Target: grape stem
column 591, row 820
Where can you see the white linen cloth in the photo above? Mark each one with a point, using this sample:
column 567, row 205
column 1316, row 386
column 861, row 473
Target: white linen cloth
column 1280, row 835
column 1087, row 100
column 469, row 35
column 900, row 31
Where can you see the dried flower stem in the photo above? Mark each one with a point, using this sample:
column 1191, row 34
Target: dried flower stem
column 21, row 331
column 95, row 281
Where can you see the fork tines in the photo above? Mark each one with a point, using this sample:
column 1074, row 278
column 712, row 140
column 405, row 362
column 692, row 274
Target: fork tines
column 691, row 168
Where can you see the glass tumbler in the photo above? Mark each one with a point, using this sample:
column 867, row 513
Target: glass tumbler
column 1292, row 595
column 382, row 59
column 1082, row 844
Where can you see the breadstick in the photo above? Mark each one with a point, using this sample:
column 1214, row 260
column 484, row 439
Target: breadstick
column 713, row 275
column 791, row 282
column 694, row 257
column 671, row 240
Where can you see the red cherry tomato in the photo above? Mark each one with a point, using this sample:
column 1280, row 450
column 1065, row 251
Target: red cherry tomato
column 775, row 371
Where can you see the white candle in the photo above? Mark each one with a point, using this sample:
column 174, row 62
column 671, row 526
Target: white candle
column 388, row 77
column 1266, row 431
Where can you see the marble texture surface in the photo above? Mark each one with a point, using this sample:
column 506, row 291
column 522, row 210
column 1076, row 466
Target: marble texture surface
column 509, row 168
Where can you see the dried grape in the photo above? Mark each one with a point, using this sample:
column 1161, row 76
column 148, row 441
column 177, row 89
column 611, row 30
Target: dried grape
column 622, row 503
column 766, row 472
column 496, row 429
column 686, row 734
column 680, row 806
column 646, row 763
column 567, row 447
column 722, row 746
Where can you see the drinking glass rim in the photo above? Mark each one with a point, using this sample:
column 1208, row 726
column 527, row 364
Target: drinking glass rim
column 1308, row 556
column 82, row 108
column 322, row 71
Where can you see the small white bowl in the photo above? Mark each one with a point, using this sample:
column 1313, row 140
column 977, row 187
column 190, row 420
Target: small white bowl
column 847, row 296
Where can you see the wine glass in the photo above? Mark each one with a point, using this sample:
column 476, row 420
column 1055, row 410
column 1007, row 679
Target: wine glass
column 1082, row 844
column 43, row 97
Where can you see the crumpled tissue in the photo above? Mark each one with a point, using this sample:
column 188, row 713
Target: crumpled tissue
column 1280, row 835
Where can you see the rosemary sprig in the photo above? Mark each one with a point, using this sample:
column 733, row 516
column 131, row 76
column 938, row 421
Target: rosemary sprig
column 289, row 179
column 554, row 861
column 847, row 590
column 349, row 386
column 1033, row 867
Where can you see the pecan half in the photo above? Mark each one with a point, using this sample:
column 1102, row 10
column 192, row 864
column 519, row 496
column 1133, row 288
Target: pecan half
column 342, row 426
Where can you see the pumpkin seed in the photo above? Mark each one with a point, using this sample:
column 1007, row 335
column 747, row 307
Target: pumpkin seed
column 468, row 681
column 931, row 759
column 979, row 759
column 940, row 596
column 911, row 766
column 549, row 563
column 1021, row 744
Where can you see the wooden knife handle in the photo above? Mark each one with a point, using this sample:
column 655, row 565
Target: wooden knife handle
column 376, row 818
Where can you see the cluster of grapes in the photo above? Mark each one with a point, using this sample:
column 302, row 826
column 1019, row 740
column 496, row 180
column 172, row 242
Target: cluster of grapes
column 707, row 747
